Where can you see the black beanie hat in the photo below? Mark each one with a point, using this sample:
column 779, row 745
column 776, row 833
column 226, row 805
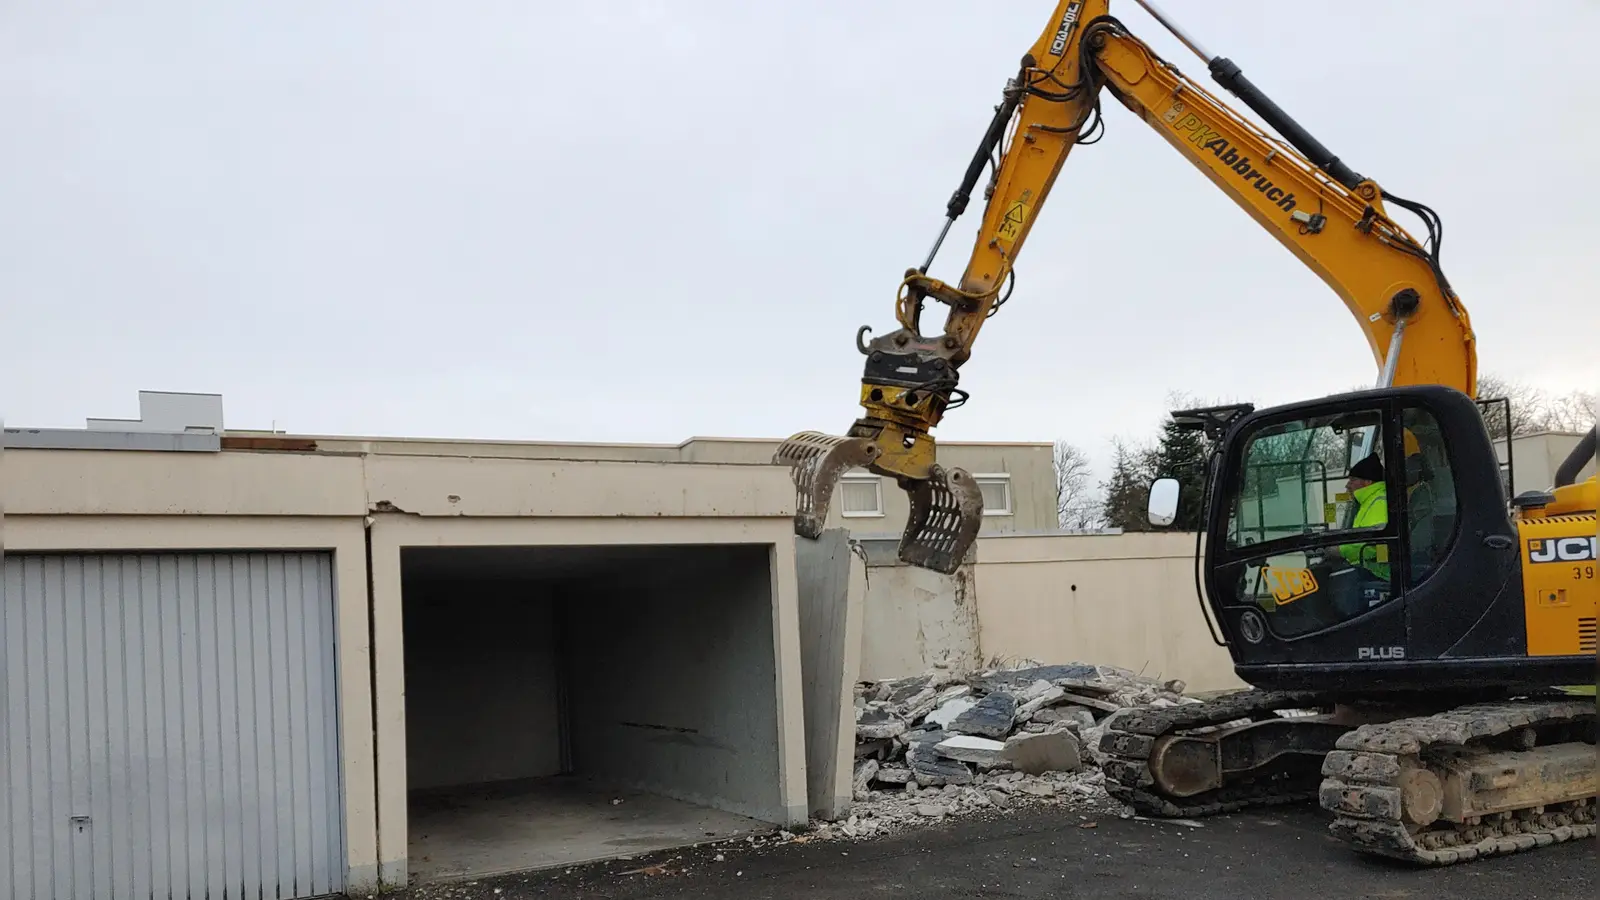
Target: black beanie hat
column 1369, row 469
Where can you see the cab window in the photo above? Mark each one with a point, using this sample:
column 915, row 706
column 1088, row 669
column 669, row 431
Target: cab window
column 1324, row 477
column 1294, row 477
column 1430, row 494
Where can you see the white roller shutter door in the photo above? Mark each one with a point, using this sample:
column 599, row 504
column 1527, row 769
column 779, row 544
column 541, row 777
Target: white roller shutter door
column 169, row 727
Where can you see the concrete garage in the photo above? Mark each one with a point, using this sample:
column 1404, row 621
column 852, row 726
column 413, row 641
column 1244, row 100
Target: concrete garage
column 545, row 684
column 496, row 645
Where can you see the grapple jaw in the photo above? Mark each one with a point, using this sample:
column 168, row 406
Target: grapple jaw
column 816, row 461
column 946, row 504
column 946, row 512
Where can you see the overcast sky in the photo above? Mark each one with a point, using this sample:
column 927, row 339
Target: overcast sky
column 640, row 221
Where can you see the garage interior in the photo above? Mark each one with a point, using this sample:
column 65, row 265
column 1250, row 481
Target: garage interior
column 572, row 703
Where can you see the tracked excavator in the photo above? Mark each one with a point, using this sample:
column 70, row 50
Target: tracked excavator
column 1404, row 666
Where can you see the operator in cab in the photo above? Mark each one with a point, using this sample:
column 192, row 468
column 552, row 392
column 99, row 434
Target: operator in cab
column 1367, row 488
column 1367, row 582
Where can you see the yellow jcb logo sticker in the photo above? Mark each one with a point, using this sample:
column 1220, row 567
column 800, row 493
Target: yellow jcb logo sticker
column 1289, row 585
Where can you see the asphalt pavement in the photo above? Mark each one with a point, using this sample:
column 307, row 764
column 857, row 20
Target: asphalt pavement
column 1279, row 853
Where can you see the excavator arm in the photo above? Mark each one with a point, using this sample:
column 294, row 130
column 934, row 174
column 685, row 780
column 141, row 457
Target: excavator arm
column 1332, row 219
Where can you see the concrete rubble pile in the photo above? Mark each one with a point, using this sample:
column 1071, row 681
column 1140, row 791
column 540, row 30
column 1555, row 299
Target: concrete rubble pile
column 945, row 744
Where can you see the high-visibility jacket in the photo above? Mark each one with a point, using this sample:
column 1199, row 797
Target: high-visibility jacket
column 1372, row 511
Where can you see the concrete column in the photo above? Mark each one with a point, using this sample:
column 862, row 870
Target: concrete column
column 832, row 587
column 389, row 691
column 790, row 683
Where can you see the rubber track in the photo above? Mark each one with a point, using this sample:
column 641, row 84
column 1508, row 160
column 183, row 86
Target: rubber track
column 1129, row 742
column 1362, row 777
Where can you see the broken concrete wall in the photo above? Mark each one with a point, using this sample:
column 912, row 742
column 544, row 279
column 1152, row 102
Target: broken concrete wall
column 832, row 587
column 671, row 682
column 915, row 618
column 1124, row 600
column 480, row 682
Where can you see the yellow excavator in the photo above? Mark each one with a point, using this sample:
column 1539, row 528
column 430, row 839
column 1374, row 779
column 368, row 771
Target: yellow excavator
column 1402, row 616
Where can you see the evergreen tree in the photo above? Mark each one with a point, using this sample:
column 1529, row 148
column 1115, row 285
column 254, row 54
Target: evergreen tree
column 1127, row 491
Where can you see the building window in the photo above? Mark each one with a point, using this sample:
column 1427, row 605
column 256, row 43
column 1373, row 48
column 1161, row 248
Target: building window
column 860, row 495
column 996, row 488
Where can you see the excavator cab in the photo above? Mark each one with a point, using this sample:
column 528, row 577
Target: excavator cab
column 1353, row 535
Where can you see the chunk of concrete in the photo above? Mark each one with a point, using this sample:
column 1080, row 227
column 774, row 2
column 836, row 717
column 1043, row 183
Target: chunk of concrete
column 1038, row 688
column 948, row 712
column 1092, row 687
column 931, row 769
column 876, row 723
column 873, row 747
column 993, row 716
column 919, row 706
column 1036, row 754
column 892, row 775
column 1082, row 716
column 866, row 770
column 1094, row 702
column 904, row 689
column 1050, row 694
column 1020, row 679
column 981, row 752
column 1071, row 718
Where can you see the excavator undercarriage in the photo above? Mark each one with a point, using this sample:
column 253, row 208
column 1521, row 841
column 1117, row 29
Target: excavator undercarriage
column 1428, row 780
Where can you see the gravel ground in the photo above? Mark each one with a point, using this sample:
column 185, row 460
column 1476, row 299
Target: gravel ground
column 1055, row 853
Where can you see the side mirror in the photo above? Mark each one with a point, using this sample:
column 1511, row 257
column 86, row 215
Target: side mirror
column 1162, row 509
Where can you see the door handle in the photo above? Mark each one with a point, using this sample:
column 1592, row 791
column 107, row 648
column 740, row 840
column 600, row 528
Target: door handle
column 1499, row 542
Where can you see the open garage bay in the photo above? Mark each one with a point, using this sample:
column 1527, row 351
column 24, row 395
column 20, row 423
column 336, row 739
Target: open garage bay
column 567, row 704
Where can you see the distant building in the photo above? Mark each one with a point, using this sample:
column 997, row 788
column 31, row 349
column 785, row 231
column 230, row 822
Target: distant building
column 1532, row 459
column 169, row 412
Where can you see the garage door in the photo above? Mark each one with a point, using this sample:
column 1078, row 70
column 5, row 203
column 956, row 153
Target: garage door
column 168, row 727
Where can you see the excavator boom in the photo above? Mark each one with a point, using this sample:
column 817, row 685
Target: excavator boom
column 1333, row 220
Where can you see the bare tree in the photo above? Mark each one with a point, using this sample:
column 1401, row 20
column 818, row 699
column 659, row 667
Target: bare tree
column 1528, row 405
column 1533, row 409
column 1576, row 411
column 1077, row 509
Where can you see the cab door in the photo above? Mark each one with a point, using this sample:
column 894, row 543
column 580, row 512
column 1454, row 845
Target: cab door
column 1304, row 561
column 1463, row 572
